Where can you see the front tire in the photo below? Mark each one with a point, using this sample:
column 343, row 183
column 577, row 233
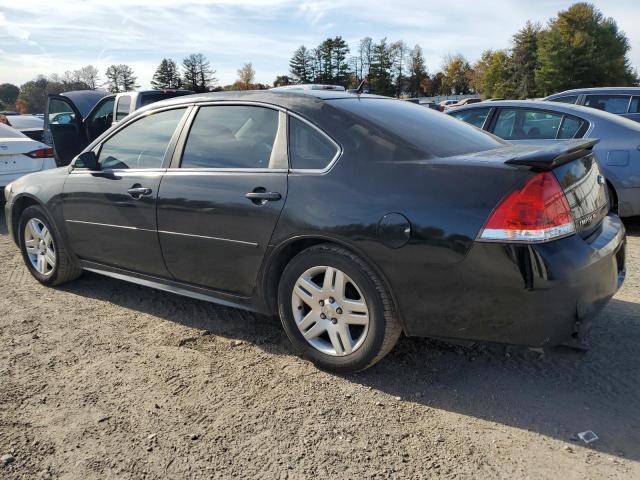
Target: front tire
column 335, row 310
column 42, row 249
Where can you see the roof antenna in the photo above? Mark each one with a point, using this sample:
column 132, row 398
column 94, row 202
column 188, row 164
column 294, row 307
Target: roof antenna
column 360, row 88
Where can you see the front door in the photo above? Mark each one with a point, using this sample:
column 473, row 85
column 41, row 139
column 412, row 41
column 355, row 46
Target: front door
column 219, row 205
column 63, row 128
column 110, row 214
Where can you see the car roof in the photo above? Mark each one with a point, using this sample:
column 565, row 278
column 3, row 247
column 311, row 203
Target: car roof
column 290, row 99
column 85, row 100
column 588, row 113
column 600, row 90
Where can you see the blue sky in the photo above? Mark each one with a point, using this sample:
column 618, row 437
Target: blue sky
column 51, row 36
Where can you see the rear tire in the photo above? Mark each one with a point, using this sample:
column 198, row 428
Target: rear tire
column 342, row 319
column 43, row 251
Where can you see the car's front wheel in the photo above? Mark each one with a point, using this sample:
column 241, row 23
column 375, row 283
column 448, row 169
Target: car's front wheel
column 43, row 250
column 335, row 309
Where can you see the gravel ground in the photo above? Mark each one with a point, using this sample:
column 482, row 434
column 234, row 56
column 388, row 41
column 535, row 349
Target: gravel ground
column 103, row 379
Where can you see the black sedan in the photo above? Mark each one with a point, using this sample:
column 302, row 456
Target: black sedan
column 353, row 217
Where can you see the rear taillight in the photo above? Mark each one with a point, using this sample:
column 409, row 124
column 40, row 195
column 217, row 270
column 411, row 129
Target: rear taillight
column 538, row 212
column 41, row 153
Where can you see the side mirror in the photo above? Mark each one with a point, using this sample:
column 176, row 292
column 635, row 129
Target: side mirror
column 87, row 160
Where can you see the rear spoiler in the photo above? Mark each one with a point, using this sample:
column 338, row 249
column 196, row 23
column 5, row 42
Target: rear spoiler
column 548, row 158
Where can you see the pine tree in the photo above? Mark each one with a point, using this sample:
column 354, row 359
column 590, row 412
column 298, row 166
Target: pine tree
column 166, row 75
column 380, row 77
column 197, row 73
column 524, row 60
column 417, row 72
column 300, row 66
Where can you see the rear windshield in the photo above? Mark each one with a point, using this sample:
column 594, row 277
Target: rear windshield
column 433, row 132
column 9, row 132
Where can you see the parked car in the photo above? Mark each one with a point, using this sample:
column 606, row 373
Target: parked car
column 447, row 103
column 29, row 125
column 465, row 101
column 354, row 217
column 20, row 155
column 527, row 121
column 623, row 101
column 74, row 119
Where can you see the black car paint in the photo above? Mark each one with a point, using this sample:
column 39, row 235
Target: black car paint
column 443, row 282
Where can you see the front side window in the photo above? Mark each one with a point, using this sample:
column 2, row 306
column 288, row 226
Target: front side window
column 525, row 124
column 122, row 110
column 142, row 144
column 234, row 136
column 308, row 148
column 101, row 119
column 609, row 103
column 635, row 105
column 60, row 112
column 567, row 99
column 475, row 117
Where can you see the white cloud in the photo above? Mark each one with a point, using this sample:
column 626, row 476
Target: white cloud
column 40, row 36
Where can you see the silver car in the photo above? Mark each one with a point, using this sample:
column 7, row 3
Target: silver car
column 539, row 122
column 624, row 101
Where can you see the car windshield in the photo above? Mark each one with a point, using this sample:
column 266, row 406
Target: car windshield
column 434, row 133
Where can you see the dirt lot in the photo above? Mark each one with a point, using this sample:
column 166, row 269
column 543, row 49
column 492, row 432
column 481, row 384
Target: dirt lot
column 103, row 379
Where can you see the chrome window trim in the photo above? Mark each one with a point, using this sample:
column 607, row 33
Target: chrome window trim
column 314, row 171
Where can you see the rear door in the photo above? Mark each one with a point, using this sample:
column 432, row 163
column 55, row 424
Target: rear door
column 110, row 214
column 219, row 203
column 63, row 122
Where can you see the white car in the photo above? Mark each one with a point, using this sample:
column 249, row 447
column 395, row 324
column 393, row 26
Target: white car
column 31, row 125
column 20, row 155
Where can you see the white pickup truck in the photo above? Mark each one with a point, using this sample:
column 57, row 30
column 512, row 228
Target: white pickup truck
column 74, row 119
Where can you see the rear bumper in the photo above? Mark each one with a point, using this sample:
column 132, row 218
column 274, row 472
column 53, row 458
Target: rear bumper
column 533, row 295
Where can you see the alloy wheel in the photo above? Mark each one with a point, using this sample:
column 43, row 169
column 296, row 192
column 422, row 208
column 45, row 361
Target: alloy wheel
column 330, row 311
column 39, row 246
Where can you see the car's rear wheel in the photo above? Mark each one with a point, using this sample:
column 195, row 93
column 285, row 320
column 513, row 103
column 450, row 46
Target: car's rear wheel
column 335, row 309
column 42, row 249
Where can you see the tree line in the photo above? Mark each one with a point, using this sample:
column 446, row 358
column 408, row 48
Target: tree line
column 580, row 47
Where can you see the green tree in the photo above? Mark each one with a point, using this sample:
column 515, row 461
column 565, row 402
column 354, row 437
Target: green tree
column 167, row 75
column 417, row 72
column 341, row 69
column 493, row 74
column 9, row 94
column 282, row 80
column 524, row 60
column 300, row 65
column 582, row 48
column 380, row 72
column 457, row 74
column 33, row 94
column 197, row 73
column 120, row 78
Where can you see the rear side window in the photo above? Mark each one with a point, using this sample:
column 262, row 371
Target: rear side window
column 232, row 137
column 635, row 105
column 567, row 99
column 572, row 127
column 420, row 128
column 475, row 117
column 122, row 109
column 142, row 144
column 525, row 124
column 609, row 103
column 308, row 148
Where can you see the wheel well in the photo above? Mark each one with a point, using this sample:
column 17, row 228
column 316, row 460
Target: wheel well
column 277, row 265
column 283, row 256
column 19, row 206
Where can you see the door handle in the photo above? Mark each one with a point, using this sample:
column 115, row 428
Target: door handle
column 260, row 196
column 138, row 191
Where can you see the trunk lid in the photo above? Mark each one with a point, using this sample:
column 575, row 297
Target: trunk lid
column 13, row 158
